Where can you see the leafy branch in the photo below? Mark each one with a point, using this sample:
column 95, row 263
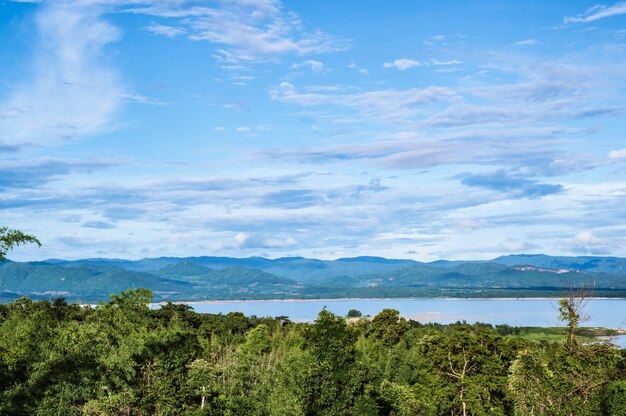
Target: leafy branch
column 12, row 238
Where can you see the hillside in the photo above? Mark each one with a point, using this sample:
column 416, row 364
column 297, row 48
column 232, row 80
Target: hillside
column 205, row 278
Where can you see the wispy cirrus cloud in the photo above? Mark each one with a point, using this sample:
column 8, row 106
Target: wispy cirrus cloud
column 247, row 31
column 72, row 92
column 530, row 93
column 384, row 105
column 437, row 62
column 598, row 12
column 69, row 65
column 164, row 30
column 436, row 39
column 403, row 64
column 526, row 42
column 535, row 151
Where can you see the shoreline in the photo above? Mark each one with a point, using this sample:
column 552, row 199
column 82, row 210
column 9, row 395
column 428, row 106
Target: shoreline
column 223, row 301
column 297, row 300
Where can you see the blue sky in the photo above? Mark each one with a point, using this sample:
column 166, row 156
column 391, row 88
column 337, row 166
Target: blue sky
column 423, row 130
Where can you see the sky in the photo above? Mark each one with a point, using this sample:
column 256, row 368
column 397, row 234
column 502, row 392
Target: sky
column 423, row 130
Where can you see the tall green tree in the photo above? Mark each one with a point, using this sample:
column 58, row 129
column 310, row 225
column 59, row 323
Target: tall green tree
column 469, row 365
column 388, row 327
column 571, row 312
column 336, row 382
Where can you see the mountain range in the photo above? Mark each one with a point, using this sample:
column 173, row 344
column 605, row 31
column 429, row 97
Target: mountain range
column 213, row 278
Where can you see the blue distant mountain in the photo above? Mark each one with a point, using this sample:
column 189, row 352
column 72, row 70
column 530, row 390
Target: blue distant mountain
column 206, row 277
column 615, row 265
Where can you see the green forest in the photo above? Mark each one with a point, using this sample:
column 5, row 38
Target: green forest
column 123, row 358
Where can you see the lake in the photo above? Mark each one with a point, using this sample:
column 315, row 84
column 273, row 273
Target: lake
column 609, row 313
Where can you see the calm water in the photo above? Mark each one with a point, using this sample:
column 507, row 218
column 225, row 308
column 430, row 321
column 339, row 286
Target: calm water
column 609, row 313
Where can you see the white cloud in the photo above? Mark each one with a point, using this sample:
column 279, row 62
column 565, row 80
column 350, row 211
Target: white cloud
column 362, row 71
column 246, row 240
column 386, row 105
column 537, row 154
column 249, row 30
column 142, row 99
column 435, row 39
column 587, row 242
column 71, row 93
column 169, row 31
column 515, row 246
column 243, row 129
column 526, row 42
column 316, row 67
column 445, row 63
column 471, row 225
column 558, row 91
column 597, row 12
column 402, row 64
column 587, row 237
column 617, row 154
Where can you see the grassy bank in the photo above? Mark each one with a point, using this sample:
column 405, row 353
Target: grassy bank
column 556, row 334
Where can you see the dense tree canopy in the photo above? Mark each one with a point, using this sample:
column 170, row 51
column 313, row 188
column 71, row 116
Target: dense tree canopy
column 123, row 358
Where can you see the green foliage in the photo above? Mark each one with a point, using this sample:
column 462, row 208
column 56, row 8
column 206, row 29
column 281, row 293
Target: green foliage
column 554, row 381
column 571, row 311
column 354, row 313
column 469, row 367
column 388, row 327
column 401, row 399
column 12, row 238
column 568, row 312
column 123, row 358
column 335, row 379
column 616, row 398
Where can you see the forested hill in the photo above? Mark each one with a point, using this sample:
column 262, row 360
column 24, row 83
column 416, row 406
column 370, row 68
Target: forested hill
column 203, row 278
